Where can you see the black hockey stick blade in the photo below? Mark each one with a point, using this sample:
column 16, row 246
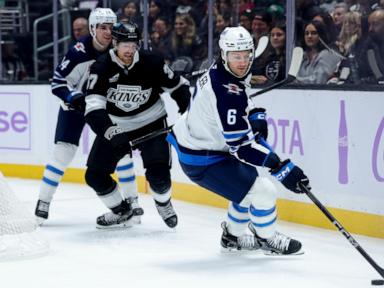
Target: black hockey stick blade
column 150, row 136
column 343, row 231
column 297, row 58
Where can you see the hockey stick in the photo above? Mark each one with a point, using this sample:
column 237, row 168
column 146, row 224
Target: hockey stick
column 297, row 58
column 346, row 234
column 150, row 136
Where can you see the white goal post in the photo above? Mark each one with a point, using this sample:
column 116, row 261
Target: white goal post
column 19, row 237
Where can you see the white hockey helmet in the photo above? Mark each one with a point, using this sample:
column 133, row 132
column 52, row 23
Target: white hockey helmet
column 236, row 39
column 100, row 16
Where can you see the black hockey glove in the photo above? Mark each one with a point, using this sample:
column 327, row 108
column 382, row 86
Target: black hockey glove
column 119, row 141
column 258, row 119
column 76, row 101
column 182, row 95
column 291, row 176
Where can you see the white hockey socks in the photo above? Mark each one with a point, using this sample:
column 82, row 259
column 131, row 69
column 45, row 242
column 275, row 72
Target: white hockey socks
column 126, row 174
column 238, row 219
column 63, row 154
column 262, row 210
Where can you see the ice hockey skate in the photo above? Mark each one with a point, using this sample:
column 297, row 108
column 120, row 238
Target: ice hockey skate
column 278, row 244
column 136, row 209
column 230, row 243
column 41, row 211
column 167, row 213
column 123, row 219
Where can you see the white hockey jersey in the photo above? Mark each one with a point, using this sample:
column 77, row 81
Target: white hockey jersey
column 216, row 123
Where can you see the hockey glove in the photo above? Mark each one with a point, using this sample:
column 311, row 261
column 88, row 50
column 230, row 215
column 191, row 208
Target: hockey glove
column 76, row 101
column 258, row 119
column 119, row 141
column 182, row 95
column 291, row 176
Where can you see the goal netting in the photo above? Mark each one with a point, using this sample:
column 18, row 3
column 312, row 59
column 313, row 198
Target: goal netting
column 19, row 237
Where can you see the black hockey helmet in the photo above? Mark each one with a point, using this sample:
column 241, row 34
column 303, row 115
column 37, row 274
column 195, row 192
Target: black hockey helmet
column 126, row 32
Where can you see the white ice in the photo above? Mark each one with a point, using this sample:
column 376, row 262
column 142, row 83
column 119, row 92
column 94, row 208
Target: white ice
column 151, row 254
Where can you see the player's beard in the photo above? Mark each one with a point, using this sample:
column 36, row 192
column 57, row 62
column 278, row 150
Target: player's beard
column 127, row 58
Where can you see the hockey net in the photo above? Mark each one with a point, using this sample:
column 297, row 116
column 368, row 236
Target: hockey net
column 19, row 237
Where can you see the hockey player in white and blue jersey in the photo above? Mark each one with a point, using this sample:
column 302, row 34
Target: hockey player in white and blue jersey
column 69, row 81
column 220, row 142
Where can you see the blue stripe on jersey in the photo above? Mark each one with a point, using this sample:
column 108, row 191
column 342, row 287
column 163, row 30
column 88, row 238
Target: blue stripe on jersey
column 261, row 212
column 239, row 208
column 265, row 224
column 192, row 159
column 54, row 170
column 127, row 179
column 50, row 182
column 235, row 135
column 58, row 80
column 124, row 167
column 234, row 219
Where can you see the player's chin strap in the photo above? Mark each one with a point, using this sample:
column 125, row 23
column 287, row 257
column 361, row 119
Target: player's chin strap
column 346, row 234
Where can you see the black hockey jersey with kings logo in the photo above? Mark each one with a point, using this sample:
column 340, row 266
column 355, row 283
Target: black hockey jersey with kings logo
column 129, row 94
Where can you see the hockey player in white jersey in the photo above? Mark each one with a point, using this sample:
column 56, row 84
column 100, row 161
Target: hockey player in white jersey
column 220, row 142
column 69, row 84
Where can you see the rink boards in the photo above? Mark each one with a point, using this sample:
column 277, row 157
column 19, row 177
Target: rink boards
column 337, row 137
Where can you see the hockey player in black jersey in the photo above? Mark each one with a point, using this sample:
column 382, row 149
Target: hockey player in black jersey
column 220, row 141
column 68, row 84
column 123, row 103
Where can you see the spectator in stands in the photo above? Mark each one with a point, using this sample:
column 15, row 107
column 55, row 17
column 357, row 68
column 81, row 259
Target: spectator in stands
column 349, row 3
column 81, row 4
column 277, row 12
column 130, row 11
column 350, row 46
column 261, row 24
column 245, row 20
column 185, row 41
column 224, row 7
column 306, row 10
column 12, row 67
column 362, row 6
column 374, row 46
column 80, row 28
column 222, row 21
column 157, row 8
column 378, row 5
column 328, row 5
column 274, row 68
column 319, row 63
column 338, row 16
column 161, row 38
column 245, row 5
column 326, row 18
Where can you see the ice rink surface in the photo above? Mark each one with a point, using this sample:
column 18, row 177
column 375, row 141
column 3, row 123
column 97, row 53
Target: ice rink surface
column 152, row 255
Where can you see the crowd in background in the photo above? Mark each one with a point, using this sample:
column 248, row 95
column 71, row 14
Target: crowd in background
column 343, row 41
